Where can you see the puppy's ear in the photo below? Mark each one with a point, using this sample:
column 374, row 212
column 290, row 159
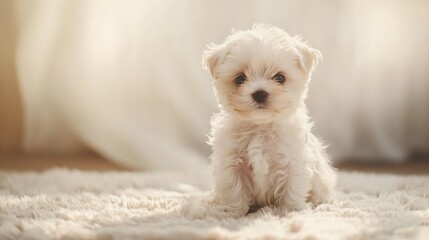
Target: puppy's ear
column 309, row 57
column 212, row 57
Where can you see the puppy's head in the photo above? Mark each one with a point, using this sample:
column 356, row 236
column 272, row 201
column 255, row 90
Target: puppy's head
column 262, row 73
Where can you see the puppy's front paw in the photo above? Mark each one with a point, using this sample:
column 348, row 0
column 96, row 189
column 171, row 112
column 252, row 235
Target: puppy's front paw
column 319, row 196
column 231, row 211
column 297, row 206
column 203, row 206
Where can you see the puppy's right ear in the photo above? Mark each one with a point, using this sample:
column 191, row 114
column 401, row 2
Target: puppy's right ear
column 212, row 57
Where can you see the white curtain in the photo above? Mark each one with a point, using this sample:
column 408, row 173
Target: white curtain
column 124, row 77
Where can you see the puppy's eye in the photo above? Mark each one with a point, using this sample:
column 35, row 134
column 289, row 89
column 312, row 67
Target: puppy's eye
column 240, row 79
column 280, row 78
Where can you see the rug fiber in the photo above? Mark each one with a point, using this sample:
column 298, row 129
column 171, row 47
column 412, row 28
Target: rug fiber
column 71, row 204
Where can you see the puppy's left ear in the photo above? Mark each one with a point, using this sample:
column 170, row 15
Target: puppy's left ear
column 309, row 57
column 212, row 57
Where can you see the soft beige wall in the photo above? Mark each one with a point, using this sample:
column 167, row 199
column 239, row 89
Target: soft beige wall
column 93, row 73
column 10, row 102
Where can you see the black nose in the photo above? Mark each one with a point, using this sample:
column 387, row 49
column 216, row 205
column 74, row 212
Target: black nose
column 260, row 96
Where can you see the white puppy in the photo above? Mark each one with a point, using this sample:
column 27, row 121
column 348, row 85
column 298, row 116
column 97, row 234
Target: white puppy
column 264, row 153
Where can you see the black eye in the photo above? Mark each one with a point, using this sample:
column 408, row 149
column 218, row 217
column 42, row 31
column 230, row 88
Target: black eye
column 280, row 78
column 240, row 79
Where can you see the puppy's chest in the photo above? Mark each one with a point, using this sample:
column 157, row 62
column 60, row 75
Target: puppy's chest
column 261, row 148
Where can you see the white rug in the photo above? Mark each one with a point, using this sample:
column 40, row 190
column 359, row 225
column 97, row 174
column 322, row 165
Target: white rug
column 65, row 204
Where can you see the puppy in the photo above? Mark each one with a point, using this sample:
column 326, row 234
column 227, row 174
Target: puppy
column 264, row 153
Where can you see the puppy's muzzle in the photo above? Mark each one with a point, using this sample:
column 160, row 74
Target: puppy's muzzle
column 260, row 96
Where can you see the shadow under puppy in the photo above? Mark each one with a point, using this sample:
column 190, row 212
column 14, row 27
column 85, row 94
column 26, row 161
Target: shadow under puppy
column 264, row 153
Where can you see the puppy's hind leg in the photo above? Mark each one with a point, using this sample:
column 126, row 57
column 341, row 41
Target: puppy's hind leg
column 323, row 182
column 324, row 177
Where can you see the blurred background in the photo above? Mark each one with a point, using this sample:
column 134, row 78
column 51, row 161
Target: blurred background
column 122, row 82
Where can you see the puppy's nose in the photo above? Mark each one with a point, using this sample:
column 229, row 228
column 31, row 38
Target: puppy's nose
column 260, row 96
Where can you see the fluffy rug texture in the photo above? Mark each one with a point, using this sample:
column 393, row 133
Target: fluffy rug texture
column 69, row 204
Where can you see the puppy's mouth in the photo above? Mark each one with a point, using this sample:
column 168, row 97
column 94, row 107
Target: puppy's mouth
column 256, row 108
column 261, row 106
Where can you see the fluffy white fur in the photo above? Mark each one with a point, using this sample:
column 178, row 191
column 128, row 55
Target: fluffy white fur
column 264, row 153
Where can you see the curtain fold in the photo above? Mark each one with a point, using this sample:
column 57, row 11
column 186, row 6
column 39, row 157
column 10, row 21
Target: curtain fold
column 125, row 79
